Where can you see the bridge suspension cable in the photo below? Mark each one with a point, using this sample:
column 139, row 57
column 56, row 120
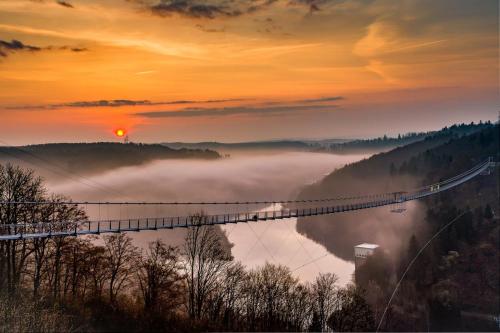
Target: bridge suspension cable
column 40, row 229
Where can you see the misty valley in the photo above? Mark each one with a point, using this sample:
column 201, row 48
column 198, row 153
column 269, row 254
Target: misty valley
column 346, row 259
column 182, row 166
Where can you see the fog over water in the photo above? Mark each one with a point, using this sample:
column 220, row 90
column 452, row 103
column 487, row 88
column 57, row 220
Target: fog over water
column 242, row 178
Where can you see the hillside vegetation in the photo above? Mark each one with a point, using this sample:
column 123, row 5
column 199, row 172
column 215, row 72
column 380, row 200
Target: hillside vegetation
column 453, row 285
column 386, row 172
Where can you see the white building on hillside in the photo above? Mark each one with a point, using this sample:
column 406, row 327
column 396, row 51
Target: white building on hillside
column 363, row 251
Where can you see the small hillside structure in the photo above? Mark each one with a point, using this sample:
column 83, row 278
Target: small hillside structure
column 363, row 251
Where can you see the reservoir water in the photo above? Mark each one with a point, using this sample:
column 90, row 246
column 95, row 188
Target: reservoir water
column 242, row 178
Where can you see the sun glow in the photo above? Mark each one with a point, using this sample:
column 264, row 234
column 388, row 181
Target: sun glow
column 120, row 132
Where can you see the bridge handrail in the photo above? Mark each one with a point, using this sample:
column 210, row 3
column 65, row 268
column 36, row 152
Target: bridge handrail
column 242, row 202
column 410, row 195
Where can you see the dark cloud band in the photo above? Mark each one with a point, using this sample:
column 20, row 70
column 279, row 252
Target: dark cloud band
column 117, row 103
column 14, row 45
column 240, row 110
column 211, row 9
column 322, row 99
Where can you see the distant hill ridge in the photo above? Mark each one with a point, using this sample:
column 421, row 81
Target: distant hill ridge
column 256, row 145
column 335, row 146
column 95, row 157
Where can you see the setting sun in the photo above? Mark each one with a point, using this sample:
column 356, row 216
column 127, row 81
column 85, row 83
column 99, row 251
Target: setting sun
column 120, row 132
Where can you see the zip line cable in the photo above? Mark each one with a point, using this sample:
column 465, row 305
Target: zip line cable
column 413, row 261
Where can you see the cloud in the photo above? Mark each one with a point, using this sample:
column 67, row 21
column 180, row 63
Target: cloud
column 193, row 9
column 322, row 99
column 211, row 9
column 205, row 29
column 239, row 110
column 14, row 45
column 270, row 107
column 313, row 5
column 65, row 4
column 116, row 103
column 71, row 48
column 78, row 49
column 206, row 9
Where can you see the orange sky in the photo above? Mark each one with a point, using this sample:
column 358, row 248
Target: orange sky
column 260, row 69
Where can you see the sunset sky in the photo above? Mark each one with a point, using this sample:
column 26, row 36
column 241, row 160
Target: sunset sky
column 236, row 70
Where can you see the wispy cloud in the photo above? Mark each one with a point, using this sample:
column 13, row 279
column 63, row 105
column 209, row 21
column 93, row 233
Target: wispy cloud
column 178, row 50
column 313, row 5
column 116, row 103
column 321, row 99
column 64, row 4
column 238, row 110
column 14, row 45
column 145, row 72
column 205, row 29
column 416, row 46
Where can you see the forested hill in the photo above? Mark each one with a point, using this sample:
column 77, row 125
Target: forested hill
column 373, row 174
column 386, row 143
column 374, row 145
column 456, row 277
column 402, row 168
column 88, row 158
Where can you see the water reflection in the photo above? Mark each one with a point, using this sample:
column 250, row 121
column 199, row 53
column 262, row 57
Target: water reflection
column 278, row 242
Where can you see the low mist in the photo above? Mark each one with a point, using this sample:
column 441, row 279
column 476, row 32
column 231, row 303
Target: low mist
column 238, row 178
column 248, row 177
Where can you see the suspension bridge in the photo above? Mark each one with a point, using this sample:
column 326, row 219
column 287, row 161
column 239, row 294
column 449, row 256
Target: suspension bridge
column 286, row 209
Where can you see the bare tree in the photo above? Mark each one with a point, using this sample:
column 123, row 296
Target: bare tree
column 205, row 259
column 298, row 308
column 16, row 185
column 64, row 217
column 325, row 297
column 121, row 257
column 97, row 270
column 226, row 299
column 354, row 314
column 160, row 278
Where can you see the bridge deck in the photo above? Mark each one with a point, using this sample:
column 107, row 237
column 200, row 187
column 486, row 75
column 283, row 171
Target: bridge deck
column 46, row 229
